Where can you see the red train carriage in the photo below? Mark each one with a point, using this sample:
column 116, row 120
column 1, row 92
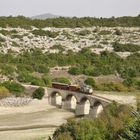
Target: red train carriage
column 84, row 89
column 75, row 88
column 60, row 86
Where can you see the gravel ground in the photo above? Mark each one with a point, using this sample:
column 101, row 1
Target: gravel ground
column 36, row 120
column 122, row 99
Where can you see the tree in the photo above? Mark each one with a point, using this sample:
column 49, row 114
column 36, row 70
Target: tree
column 38, row 93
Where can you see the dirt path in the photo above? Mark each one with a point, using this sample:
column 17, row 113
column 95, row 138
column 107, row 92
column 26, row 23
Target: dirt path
column 36, row 120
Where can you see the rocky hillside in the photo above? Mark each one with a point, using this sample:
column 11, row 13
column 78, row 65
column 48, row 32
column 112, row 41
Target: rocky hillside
column 44, row 16
column 54, row 40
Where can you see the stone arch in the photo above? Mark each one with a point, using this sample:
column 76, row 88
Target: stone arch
column 85, row 105
column 97, row 108
column 56, row 98
column 70, row 102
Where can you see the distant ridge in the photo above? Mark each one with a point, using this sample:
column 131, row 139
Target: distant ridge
column 45, row 16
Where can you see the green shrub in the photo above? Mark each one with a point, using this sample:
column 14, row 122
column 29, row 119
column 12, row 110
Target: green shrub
column 38, row 93
column 37, row 81
column 104, row 32
column 14, row 87
column 75, row 71
column 89, row 71
column 41, row 68
column 118, row 32
column 47, row 80
column 128, row 82
column 7, row 69
column 138, row 84
column 25, row 77
column 84, row 32
column 41, row 32
column 90, row 81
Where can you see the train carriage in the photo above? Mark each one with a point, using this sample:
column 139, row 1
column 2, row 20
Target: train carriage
column 76, row 88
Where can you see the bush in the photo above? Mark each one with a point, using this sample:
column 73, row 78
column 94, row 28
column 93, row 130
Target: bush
column 128, row 82
column 37, row 81
column 104, row 32
column 41, row 68
column 47, row 80
column 75, row 71
column 90, row 81
column 4, row 92
column 84, row 32
column 89, row 71
column 41, row 32
column 118, row 32
column 38, row 93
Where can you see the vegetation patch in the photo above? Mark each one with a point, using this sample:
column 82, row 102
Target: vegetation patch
column 116, row 122
column 126, row 47
column 14, row 87
column 39, row 93
column 61, row 80
column 105, row 32
column 4, row 92
column 41, row 32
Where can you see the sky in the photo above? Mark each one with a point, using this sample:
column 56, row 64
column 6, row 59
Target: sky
column 79, row 8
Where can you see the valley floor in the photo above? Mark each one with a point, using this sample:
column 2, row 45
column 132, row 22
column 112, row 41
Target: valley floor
column 37, row 120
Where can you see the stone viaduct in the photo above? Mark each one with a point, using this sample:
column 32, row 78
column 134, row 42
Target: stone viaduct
column 81, row 104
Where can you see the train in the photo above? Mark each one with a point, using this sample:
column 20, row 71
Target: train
column 85, row 89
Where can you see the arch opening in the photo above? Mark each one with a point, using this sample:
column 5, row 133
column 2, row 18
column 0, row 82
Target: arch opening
column 85, row 105
column 97, row 108
column 71, row 101
column 56, row 99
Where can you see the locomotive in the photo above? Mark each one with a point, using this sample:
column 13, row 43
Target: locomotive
column 85, row 89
